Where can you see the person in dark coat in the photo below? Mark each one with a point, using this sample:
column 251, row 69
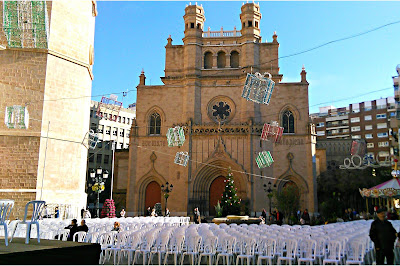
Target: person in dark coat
column 264, row 215
column 73, row 228
column 83, row 227
column 279, row 217
column 56, row 212
column 148, row 213
column 306, row 216
column 383, row 235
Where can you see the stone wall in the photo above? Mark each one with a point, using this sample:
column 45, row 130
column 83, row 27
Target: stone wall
column 41, row 79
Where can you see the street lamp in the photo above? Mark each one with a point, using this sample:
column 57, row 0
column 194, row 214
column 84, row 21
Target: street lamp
column 98, row 177
column 166, row 189
column 269, row 191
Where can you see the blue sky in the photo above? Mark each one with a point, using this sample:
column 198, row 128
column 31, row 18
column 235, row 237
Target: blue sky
column 131, row 35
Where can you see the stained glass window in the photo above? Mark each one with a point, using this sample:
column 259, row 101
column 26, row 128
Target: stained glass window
column 155, row 124
column 288, row 122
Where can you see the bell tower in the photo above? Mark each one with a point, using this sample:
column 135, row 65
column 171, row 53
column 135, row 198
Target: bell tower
column 250, row 20
column 194, row 21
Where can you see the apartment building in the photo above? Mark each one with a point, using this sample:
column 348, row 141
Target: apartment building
column 369, row 120
column 108, row 132
column 394, row 123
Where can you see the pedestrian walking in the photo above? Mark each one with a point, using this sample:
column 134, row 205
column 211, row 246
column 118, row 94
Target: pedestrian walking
column 56, row 212
column 264, row 215
column 279, row 217
column 197, row 218
column 306, row 217
column 383, row 235
column 167, row 213
column 122, row 213
column 86, row 214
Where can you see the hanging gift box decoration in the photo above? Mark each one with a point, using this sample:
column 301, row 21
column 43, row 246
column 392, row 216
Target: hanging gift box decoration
column 17, row 117
column 358, row 147
column 272, row 132
column 264, row 159
column 93, row 139
column 90, row 140
column 181, row 158
column 175, row 136
column 258, row 88
column 109, row 108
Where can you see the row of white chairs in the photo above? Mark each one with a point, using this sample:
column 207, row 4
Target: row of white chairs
column 229, row 244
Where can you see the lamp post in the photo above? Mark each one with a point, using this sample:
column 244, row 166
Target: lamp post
column 166, row 190
column 98, row 177
column 269, row 191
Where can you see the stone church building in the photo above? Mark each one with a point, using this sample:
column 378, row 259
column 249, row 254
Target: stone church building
column 202, row 90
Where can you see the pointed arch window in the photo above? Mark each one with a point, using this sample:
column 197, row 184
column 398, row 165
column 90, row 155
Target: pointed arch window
column 155, row 124
column 288, row 122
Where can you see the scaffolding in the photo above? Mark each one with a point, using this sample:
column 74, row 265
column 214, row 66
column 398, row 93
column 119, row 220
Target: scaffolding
column 25, row 24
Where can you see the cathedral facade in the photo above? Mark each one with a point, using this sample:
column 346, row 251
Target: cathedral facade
column 202, row 91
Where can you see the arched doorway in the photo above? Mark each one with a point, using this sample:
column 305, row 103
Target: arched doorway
column 216, row 189
column 153, row 194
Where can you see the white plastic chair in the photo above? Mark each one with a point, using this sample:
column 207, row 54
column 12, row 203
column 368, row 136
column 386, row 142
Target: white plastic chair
column 356, row 255
column 145, row 247
column 37, row 206
column 5, row 210
column 175, row 248
column 209, row 248
column 247, row 248
column 121, row 242
column 79, row 236
column 133, row 244
column 160, row 247
column 105, row 240
column 192, row 248
column 334, row 249
column 308, row 251
column 268, row 252
column 62, row 234
column 291, row 252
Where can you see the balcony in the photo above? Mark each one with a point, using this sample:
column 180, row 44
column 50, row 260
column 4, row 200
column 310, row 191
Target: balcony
column 221, row 33
column 336, row 118
column 339, row 126
column 340, row 135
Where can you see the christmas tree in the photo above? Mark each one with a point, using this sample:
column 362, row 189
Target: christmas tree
column 230, row 202
column 108, row 209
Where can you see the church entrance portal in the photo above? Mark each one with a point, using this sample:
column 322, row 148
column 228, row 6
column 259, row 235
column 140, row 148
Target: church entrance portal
column 153, row 194
column 216, row 189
